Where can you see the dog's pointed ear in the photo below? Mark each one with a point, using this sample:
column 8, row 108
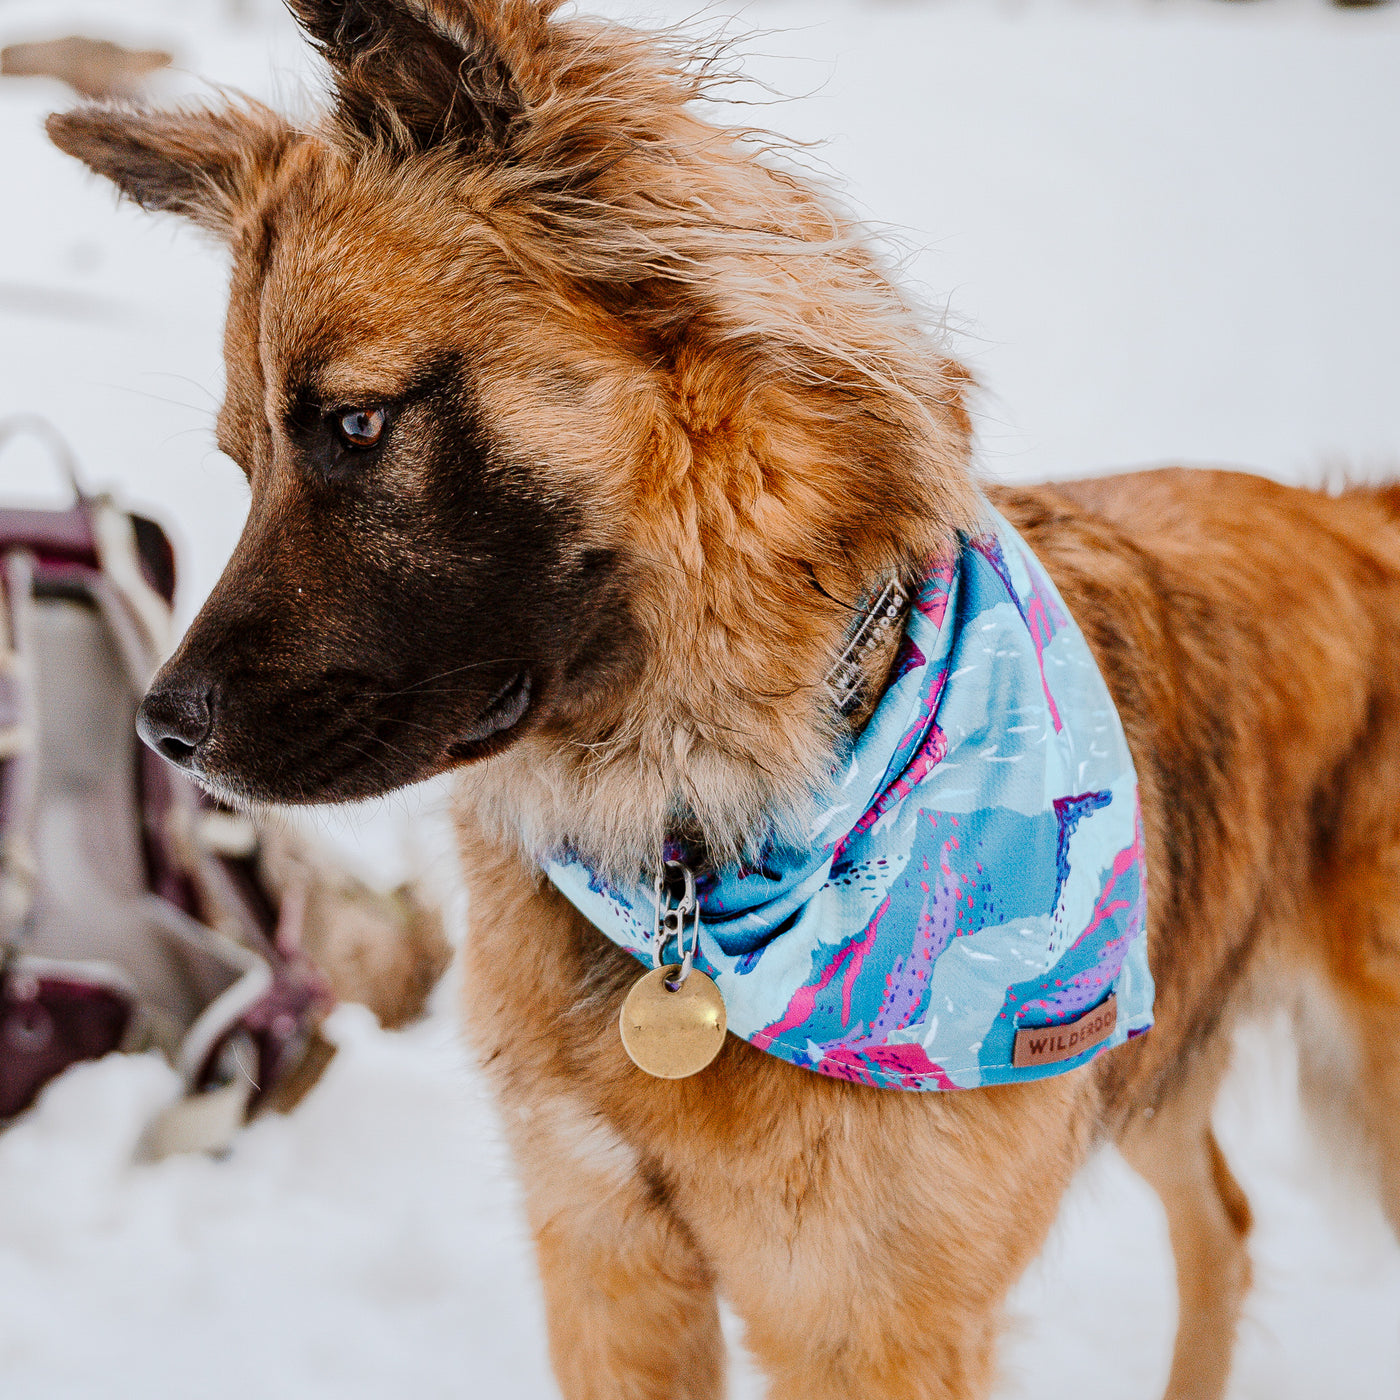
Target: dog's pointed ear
column 419, row 72
column 205, row 164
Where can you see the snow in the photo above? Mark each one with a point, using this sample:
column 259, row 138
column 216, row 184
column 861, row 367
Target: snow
column 1162, row 230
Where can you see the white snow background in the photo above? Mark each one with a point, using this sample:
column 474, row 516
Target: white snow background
column 1163, row 231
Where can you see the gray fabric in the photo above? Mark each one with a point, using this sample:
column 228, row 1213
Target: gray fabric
column 92, row 901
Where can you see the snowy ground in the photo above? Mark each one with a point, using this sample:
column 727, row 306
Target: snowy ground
column 1163, row 230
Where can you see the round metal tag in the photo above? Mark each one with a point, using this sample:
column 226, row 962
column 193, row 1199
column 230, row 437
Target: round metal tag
column 673, row 1034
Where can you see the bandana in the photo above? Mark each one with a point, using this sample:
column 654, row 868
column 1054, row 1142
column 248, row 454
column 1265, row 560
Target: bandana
column 969, row 906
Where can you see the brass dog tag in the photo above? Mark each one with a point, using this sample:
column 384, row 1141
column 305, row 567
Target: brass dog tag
column 671, row 1028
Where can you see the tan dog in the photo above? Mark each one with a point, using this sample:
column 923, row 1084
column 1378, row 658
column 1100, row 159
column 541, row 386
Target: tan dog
column 573, row 428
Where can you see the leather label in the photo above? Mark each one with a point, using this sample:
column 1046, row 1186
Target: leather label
column 1047, row 1045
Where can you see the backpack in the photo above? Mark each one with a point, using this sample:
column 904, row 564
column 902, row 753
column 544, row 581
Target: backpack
column 136, row 912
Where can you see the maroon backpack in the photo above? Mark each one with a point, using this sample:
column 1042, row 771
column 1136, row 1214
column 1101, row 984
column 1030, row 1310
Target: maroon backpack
column 133, row 909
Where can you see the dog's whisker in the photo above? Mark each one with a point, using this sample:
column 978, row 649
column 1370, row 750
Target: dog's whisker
column 451, row 671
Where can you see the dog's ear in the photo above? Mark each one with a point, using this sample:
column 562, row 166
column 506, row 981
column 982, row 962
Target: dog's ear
column 204, row 164
column 419, row 72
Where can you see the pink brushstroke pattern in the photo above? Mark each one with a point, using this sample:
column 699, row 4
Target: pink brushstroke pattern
column 927, row 757
column 1086, row 988
column 1044, row 617
column 906, row 989
column 1041, row 634
column 932, row 599
column 799, row 1008
column 907, row 1064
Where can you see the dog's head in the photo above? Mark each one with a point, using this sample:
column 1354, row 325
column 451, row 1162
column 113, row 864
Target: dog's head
column 563, row 412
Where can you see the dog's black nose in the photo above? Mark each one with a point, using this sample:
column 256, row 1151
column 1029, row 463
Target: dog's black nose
column 174, row 720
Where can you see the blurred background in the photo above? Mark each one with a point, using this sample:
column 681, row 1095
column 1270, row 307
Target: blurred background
column 1158, row 230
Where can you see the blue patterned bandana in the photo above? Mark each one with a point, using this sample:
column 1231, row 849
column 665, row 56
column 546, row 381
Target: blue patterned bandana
column 969, row 909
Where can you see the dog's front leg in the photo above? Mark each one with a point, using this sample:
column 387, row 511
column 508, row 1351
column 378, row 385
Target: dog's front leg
column 867, row 1238
column 631, row 1301
column 632, row 1304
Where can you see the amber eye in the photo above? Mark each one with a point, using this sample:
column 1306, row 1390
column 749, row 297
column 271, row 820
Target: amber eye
column 362, row 427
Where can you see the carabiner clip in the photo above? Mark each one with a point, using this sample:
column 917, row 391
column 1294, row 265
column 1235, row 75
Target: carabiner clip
column 670, row 921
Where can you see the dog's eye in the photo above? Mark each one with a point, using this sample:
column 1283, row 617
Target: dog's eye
column 362, row 427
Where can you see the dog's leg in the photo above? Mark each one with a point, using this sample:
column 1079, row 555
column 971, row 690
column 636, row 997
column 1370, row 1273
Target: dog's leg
column 1351, row 1051
column 630, row 1299
column 1209, row 1220
column 1379, row 1029
column 631, row 1303
column 871, row 1252
column 1350, row 1071
column 1380, row 1099
column 920, row 1359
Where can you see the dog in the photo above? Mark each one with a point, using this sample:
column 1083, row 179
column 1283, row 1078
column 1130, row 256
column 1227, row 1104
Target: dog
column 575, row 427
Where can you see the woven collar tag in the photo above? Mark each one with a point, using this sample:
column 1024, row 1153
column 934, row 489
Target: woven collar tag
column 974, row 872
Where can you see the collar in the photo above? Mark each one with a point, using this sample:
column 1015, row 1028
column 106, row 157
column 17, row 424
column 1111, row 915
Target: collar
column 875, row 628
column 969, row 905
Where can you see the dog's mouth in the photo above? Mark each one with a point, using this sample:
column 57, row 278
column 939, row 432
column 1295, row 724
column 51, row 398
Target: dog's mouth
column 495, row 726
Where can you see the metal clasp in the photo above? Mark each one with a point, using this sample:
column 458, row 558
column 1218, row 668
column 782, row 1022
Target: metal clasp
column 670, row 921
